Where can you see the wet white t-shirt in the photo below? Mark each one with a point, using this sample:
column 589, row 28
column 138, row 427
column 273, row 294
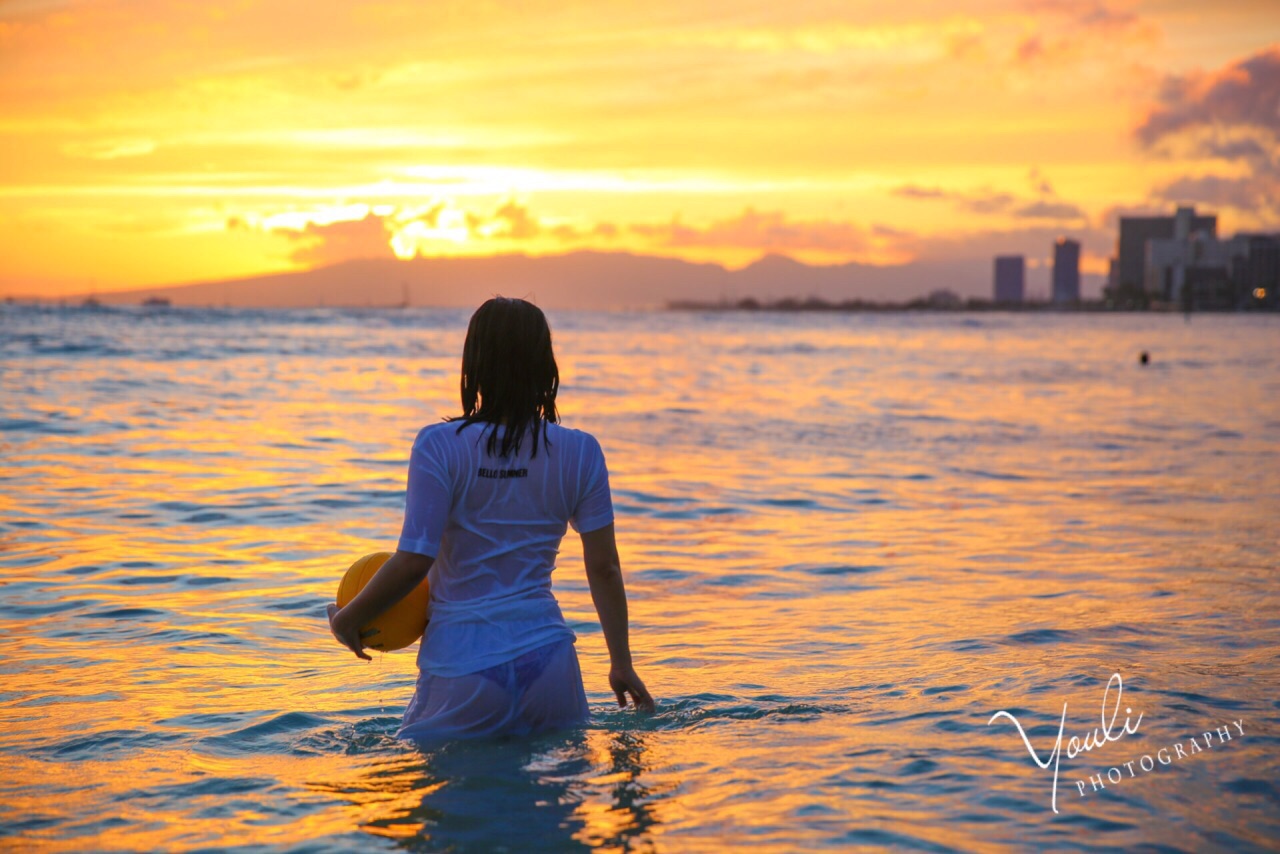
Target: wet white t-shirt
column 494, row 526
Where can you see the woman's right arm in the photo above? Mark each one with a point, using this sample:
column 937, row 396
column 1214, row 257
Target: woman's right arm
column 604, row 575
column 393, row 581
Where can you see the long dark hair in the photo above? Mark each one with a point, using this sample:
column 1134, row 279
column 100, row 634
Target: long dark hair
column 509, row 373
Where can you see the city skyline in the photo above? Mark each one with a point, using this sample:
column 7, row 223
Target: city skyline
column 1176, row 259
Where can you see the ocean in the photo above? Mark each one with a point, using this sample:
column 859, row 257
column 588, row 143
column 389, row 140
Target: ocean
column 849, row 540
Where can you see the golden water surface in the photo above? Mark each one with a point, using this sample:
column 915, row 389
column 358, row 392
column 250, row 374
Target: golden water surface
column 848, row 539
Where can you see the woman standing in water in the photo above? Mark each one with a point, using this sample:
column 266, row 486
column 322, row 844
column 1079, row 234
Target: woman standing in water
column 490, row 496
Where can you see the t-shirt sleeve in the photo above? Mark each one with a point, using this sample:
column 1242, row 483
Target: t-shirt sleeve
column 429, row 496
column 595, row 504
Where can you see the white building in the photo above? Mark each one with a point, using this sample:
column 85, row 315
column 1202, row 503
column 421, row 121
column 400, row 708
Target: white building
column 1169, row 261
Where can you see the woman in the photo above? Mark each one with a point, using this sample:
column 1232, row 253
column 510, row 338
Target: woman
column 489, row 499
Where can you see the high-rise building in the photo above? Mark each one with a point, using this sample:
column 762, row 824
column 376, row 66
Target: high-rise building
column 1066, row 270
column 1010, row 278
column 1130, row 276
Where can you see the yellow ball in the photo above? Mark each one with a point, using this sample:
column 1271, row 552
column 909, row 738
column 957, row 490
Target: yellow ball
column 401, row 624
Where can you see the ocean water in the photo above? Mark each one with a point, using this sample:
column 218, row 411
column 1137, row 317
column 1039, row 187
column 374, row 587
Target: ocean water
column 849, row 540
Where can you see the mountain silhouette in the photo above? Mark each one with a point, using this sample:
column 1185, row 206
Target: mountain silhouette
column 588, row 280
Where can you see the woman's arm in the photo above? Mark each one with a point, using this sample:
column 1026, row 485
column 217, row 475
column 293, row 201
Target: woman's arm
column 393, row 581
column 604, row 575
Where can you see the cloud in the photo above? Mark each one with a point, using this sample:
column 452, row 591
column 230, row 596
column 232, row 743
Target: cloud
column 1243, row 193
column 982, row 201
column 1048, row 209
column 445, row 229
column 1243, row 94
column 1244, row 148
column 986, row 202
column 989, row 201
column 339, row 241
column 912, row 191
column 431, row 216
column 513, row 221
column 1096, row 16
column 766, row 231
column 519, row 223
column 1039, row 182
column 1231, row 115
column 1100, row 18
column 1073, row 29
column 888, row 231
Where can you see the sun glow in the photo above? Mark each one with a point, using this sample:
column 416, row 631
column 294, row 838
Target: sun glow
column 213, row 143
column 450, row 227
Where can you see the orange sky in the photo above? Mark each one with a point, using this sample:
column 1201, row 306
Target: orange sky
column 161, row 142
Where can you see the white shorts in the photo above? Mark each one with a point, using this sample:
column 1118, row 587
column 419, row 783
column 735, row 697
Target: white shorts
column 540, row 690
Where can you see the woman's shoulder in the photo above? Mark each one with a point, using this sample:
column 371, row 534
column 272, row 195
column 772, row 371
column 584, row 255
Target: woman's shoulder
column 436, row 431
column 442, row 434
column 555, row 428
column 572, row 436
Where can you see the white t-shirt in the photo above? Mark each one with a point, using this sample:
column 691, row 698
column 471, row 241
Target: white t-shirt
column 494, row 526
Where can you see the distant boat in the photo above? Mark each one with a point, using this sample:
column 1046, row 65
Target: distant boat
column 157, row 302
column 91, row 302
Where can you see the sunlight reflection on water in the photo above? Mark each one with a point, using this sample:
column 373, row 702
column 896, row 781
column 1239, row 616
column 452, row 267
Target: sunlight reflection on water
column 848, row 541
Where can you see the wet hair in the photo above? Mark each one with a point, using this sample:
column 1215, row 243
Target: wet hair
column 509, row 374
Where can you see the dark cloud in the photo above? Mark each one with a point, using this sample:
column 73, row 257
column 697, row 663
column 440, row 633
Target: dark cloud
column 1243, row 193
column 1231, row 114
column 1049, row 209
column 1245, row 148
column 341, row 241
column 1244, row 94
column 991, row 202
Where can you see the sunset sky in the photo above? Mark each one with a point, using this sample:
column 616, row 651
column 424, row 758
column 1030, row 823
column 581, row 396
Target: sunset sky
column 151, row 142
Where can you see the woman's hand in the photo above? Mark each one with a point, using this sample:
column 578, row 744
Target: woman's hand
column 402, row 572
column 624, row 681
column 348, row 636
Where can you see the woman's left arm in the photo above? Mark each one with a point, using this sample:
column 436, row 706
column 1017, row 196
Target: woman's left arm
column 393, row 581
